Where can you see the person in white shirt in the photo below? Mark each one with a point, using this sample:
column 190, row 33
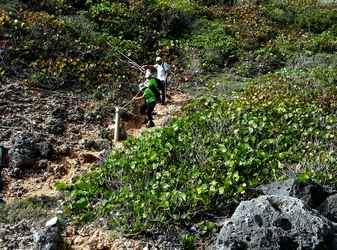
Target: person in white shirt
column 162, row 74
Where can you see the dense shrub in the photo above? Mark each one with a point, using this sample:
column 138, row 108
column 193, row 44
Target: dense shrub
column 261, row 61
column 324, row 74
column 308, row 17
column 144, row 23
column 250, row 27
column 212, row 156
column 280, row 14
column 213, row 43
column 112, row 16
column 325, row 42
column 82, row 27
column 39, row 34
column 316, row 19
column 50, row 6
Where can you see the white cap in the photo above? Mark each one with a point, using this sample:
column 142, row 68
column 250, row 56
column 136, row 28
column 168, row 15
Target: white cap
column 158, row 58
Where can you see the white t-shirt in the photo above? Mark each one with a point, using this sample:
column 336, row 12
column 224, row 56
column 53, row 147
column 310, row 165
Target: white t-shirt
column 162, row 70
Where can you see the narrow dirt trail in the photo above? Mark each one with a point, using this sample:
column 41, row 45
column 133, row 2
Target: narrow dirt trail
column 163, row 113
column 94, row 235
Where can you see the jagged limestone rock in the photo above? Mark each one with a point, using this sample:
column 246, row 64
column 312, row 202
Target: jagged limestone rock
column 329, row 208
column 276, row 222
column 27, row 150
column 310, row 193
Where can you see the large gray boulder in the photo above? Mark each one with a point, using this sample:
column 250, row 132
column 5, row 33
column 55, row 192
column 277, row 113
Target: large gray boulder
column 329, row 208
column 27, row 150
column 276, row 222
column 48, row 237
column 310, row 193
column 23, row 151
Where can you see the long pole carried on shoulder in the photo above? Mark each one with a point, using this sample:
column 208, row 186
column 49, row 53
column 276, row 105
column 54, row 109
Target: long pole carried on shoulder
column 130, row 60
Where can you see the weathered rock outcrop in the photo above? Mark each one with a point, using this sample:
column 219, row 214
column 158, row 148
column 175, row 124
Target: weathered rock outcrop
column 30, row 234
column 329, row 208
column 49, row 236
column 290, row 215
column 310, row 193
column 44, row 131
column 27, row 150
column 276, row 222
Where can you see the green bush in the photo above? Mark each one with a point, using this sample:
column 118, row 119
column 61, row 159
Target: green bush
column 82, row 27
column 188, row 241
column 50, row 6
column 12, row 5
column 280, row 13
column 261, row 61
column 202, row 162
column 325, row 74
column 325, row 42
column 316, row 20
column 185, row 5
column 309, row 17
column 213, row 42
column 112, row 16
column 290, row 44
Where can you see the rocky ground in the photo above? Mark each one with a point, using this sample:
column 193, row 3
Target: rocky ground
column 51, row 134
column 289, row 215
column 55, row 136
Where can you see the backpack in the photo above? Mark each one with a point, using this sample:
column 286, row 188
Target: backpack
column 3, row 157
column 166, row 67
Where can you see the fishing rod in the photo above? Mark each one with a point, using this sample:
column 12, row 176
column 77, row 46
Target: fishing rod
column 129, row 59
column 132, row 62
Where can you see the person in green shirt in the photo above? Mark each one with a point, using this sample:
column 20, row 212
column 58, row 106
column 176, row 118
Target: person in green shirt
column 153, row 85
column 150, row 97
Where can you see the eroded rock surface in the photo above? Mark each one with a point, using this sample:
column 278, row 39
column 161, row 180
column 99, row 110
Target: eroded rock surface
column 45, row 131
column 276, row 222
column 310, row 193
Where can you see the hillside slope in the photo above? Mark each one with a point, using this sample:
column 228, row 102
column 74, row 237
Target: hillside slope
column 265, row 74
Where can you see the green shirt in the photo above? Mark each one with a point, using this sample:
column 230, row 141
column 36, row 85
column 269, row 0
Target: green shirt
column 149, row 95
column 152, row 82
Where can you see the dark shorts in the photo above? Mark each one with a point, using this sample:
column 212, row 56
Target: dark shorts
column 163, row 91
column 147, row 108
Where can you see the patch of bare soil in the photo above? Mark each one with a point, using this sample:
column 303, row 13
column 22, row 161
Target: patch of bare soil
column 56, row 136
